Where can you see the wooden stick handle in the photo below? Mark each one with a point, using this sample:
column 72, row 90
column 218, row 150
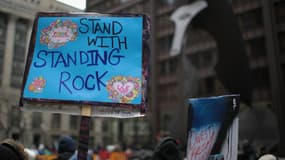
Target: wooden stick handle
column 86, row 110
column 84, row 132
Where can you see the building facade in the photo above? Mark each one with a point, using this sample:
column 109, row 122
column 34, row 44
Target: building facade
column 262, row 25
column 31, row 128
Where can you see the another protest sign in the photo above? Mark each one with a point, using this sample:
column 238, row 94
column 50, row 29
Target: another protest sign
column 210, row 122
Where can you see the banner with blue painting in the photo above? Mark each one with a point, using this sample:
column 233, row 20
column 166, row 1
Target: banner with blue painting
column 87, row 58
column 213, row 128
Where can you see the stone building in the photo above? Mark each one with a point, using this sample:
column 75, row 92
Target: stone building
column 262, row 25
column 16, row 20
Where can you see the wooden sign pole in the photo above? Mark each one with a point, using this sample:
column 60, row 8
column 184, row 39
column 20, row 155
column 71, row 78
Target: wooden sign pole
column 86, row 111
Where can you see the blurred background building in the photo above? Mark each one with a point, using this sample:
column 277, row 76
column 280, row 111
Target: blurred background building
column 262, row 23
column 16, row 20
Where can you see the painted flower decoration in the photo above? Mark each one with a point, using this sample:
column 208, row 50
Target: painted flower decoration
column 59, row 33
column 37, row 85
column 123, row 89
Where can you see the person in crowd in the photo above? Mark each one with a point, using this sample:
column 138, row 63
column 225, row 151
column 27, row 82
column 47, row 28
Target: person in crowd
column 89, row 155
column 103, row 154
column 66, row 148
column 43, row 150
column 12, row 150
column 166, row 149
column 249, row 150
column 267, row 157
column 117, row 154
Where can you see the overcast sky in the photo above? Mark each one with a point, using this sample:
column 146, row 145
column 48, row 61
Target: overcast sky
column 81, row 4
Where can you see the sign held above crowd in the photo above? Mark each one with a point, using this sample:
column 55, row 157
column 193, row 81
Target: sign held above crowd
column 88, row 59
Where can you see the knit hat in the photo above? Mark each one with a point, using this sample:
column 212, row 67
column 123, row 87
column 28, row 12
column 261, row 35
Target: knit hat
column 267, row 157
column 9, row 149
column 166, row 149
column 66, row 144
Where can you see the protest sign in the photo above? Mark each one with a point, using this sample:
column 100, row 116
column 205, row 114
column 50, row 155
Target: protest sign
column 213, row 128
column 87, row 59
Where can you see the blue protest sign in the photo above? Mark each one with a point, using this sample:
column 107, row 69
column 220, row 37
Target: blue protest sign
column 211, row 120
column 86, row 58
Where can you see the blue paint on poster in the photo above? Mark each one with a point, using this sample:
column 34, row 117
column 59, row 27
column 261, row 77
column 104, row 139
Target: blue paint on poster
column 97, row 59
column 208, row 116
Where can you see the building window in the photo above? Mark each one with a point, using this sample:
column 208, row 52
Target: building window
column 163, row 68
column 260, row 78
column 241, row 2
column 197, row 60
column 210, row 85
column 91, row 143
column 280, row 12
column 146, row 7
column 283, row 71
column 166, row 119
column 134, row 9
column 251, row 20
column 208, row 58
column 56, row 120
column 107, row 140
column 51, row 7
column 3, row 28
column 257, row 48
column 2, row 118
column 197, row 37
column 36, row 120
column 167, row 3
column 105, row 126
column 74, row 122
column 15, row 117
column 36, row 139
column 165, row 45
column 124, row 1
column 19, row 54
column 281, row 39
column 168, row 67
column 173, row 65
column 55, row 138
column 164, row 23
column 207, row 86
column 91, row 124
column 204, row 59
column 261, row 83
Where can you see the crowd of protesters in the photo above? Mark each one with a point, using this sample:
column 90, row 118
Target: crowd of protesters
column 166, row 149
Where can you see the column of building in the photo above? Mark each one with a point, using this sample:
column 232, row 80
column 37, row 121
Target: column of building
column 7, row 60
column 9, row 50
column 9, row 98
